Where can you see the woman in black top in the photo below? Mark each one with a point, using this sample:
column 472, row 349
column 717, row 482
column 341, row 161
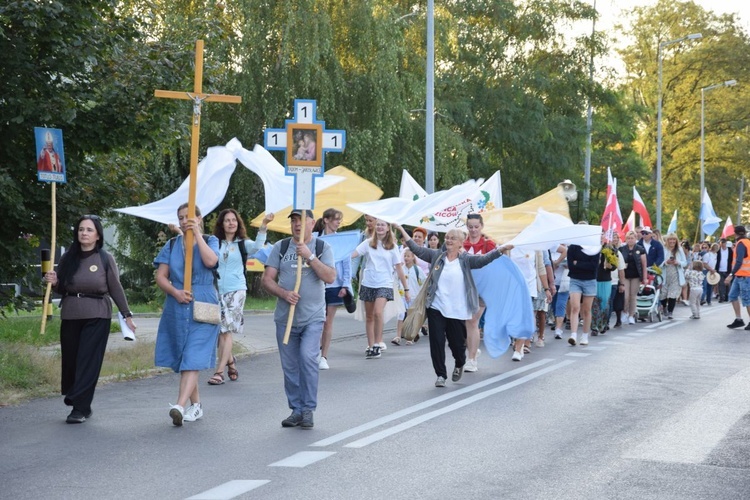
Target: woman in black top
column 635, row 274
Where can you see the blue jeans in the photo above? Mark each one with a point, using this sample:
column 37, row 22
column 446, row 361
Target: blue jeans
column 299, row 361
column 708, row 290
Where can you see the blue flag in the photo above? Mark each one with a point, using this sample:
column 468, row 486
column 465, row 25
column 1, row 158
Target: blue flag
column 509, row 311
column 673, row 224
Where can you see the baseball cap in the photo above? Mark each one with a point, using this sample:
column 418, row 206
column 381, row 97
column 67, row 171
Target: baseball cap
column 646, row 229
column 298, row 211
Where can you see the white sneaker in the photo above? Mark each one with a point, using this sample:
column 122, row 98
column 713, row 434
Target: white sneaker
column 558, row 333
column 572, row 339
column 517, row 356
column 176, row 412
column 382, row 345
column 631, row 320
column 193, row 412
column 539, row 343
column 323, row 363
column 584, row 339
column 471, row 365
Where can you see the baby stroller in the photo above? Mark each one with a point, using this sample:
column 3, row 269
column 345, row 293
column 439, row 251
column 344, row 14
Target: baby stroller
column 648, row 305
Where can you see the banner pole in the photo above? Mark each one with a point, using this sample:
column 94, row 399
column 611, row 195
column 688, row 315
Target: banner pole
column 45, row 304
column 299, row 280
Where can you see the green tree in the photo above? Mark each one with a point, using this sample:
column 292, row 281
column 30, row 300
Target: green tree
column 722, row 54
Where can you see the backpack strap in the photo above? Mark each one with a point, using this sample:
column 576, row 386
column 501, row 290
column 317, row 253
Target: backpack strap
column 319, row 247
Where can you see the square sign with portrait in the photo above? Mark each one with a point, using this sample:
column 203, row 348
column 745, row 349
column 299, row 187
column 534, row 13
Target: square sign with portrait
column 50, row 157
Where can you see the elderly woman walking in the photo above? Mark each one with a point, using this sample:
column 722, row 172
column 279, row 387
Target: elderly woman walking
column 452, row 297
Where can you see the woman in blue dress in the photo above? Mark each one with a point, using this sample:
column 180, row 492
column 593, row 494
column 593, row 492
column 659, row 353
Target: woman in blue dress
column 183, row 344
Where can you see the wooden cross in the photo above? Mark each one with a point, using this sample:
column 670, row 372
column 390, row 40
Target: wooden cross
column 198, row 97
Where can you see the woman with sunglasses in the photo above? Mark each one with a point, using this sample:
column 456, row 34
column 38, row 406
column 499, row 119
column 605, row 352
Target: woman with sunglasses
column 86, row 277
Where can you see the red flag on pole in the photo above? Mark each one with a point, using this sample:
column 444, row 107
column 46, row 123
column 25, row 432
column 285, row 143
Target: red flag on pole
column 640, row 208
column 728, row 229
column 630, row 223
column 612, row 217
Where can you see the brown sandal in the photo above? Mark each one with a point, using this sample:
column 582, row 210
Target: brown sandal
column 216, row 379
column 233, row 373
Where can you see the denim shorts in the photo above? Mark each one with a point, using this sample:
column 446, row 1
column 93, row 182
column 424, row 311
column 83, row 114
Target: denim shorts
column 332, row 296
column 740, row 290
column 587, row 288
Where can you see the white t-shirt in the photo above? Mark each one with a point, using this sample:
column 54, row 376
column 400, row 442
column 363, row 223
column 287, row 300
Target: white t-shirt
column 450, row 297
column 709, row 259
column 526, row 262
column 378, row 271
column 723, row 267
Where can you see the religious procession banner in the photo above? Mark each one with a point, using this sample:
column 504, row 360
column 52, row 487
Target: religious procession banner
column 50, row 160
column 487, row 197
column 214, row 174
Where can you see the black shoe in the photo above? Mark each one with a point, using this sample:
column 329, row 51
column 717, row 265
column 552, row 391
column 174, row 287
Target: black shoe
column 293, row 420
column 307, row 419
column 375, row 352
column 457, row 373
column 424, row 331
column 747, row 327
column 618, row 324
column 736, row 323
column 76, row 417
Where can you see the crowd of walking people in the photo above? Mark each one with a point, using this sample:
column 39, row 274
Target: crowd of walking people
column 587, row 290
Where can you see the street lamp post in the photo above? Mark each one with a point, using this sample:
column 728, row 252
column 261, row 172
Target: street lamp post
column 662, row 45
column 429, row 178
column 589, row 128
column 728, row 83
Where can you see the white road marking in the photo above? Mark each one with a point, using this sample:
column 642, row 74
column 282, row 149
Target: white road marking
column 668, row 325
column 230, row 489
column 303, row 459
column 578, row 354
column 455, row 406
column 691, row 435
column 426, row 404
column 621, row 337
column 594, row 347
column 609, row 342
column 636, row 334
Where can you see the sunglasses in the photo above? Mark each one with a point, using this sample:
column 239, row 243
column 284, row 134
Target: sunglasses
column 644, row 233
column 90, row 217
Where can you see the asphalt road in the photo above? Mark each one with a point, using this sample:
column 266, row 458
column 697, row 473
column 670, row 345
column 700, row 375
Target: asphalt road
column 654, row 411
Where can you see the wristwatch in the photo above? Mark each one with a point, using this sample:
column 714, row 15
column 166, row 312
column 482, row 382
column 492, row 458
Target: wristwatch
column 310, row 259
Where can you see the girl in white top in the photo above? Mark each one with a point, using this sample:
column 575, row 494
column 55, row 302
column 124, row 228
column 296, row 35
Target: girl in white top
column 414, row 278
column 381, row 258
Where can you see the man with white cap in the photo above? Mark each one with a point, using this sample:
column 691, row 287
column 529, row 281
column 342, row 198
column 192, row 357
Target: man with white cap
column 654, row 248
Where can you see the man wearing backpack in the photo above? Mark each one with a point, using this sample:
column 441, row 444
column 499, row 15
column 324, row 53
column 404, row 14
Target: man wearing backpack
column 299, row 357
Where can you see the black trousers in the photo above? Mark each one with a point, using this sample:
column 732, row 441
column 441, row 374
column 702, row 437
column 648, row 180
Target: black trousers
column 723, row 288
column 82, row 344
column 440, row 329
